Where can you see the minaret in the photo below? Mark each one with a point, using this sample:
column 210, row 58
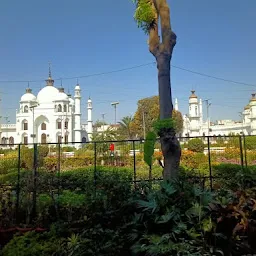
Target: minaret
column 89, row 120
column 194, row 114
column 201, row 111
column 77, row 114
column 176, row 106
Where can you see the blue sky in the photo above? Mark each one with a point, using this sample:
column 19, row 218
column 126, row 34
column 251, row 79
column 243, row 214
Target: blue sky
column 85, row 37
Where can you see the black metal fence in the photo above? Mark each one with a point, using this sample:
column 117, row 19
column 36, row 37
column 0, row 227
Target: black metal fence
column 124, row 156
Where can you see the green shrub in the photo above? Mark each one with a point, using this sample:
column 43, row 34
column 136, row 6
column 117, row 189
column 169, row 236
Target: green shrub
column 34, row 244
column 196, row 145
column 7, row 164
column 42, row 151
column 250, row 142
column 233, row 176
column 27, row 157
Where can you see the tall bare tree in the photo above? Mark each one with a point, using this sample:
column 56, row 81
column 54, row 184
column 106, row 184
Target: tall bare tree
column 153, row 16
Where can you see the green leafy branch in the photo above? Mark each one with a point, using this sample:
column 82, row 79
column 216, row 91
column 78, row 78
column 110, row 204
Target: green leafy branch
column 145, row 15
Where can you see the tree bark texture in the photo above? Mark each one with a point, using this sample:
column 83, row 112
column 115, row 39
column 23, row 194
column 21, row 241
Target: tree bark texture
column 163, row 54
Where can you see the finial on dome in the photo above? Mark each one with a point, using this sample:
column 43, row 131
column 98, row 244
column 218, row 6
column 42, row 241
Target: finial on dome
column 50, row 72
column 193, row 94
column 28, row 90
column 77, row 81
column 50, row 81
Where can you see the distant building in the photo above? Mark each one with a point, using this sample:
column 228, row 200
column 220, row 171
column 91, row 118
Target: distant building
column 50, row 117
column 195, row 126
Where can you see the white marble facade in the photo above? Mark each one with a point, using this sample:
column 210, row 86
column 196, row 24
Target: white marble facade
column 193, row 124
column 50, row 117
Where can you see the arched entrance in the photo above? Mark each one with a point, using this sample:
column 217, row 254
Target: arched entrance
column 43, row 138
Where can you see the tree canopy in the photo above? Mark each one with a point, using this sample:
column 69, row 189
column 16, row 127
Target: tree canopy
column 124, row 129
column 150, row 108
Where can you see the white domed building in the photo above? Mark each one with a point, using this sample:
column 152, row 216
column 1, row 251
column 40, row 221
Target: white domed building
column 50, row 117
column 193, row 124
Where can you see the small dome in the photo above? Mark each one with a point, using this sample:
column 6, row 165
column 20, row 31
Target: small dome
column 61, row 96
column 28, row 96
column 47, row 95
column 77, row 87
column 247, row 107
column 89, row 100
column 193, row 95
column 253, row 100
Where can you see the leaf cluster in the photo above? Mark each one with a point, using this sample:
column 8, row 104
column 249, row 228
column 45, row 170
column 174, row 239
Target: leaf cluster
column 173, row 220
column 149, row 147
column 167, row 123
column 145, row 15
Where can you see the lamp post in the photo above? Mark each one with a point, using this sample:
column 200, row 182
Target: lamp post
column 242, row 121
column 208, row 118
column 144, row 125
column 114, row 104
column 103, row 119
column 32, row 107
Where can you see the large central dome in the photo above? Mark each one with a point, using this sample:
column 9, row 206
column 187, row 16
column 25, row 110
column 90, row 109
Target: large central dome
column 47, row 95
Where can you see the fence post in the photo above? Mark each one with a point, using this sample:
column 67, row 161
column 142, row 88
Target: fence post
column 59, row 158
column 18, row 187
column 95, row 163
column 34, row 181
column 209, row 161
column 245, row 151
column 241, row 151
column 134, row 162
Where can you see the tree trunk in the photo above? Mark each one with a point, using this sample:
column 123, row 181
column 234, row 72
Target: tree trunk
column 169, row 142
column 163, row 54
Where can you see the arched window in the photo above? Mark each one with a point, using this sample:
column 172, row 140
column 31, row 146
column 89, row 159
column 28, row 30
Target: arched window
column 59, row 138
column 59, row 108
column 25, row 125
column 26, row 109
column 11, row 141
column 43, row 138
column 43, row 126
column 25, row 140
column 65, row 108
column 58, row 124
column 66, row 124
column 196, row 112
column 4, row 141
column 83, row 140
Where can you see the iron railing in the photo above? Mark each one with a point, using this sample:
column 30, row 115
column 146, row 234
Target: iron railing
column 56, row 158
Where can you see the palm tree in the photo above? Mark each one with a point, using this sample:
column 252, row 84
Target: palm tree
column 125, row 126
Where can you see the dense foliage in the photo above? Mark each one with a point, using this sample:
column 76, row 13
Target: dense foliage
column 176, row 218
column 79, row 205
column 148, row 109
column 196, row 145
